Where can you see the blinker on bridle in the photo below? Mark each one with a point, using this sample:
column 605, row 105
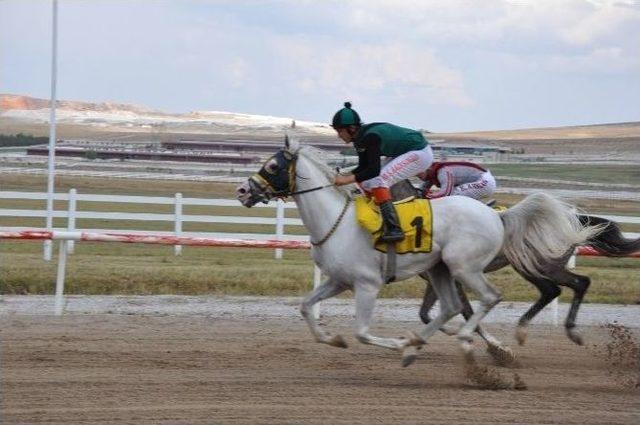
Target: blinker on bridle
column 281, row 182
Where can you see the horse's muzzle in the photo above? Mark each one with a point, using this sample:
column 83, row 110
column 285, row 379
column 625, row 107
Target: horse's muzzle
column 249, row 194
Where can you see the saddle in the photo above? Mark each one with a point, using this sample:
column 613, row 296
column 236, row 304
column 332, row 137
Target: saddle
column 415, row 218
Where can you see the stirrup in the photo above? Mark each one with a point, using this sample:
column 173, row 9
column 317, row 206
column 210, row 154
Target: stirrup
column 391, row 237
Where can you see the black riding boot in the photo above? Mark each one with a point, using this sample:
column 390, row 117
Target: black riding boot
column 391, row 231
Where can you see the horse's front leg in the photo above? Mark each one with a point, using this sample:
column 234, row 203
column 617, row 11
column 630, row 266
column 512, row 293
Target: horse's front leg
column 365, row 302
column 329, row 288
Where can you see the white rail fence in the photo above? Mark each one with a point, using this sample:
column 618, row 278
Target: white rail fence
column 278, row 239
column 279, row 221
column 67, row 236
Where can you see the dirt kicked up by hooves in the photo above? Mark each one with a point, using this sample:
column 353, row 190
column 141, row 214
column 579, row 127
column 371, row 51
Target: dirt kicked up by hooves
column 489, row 378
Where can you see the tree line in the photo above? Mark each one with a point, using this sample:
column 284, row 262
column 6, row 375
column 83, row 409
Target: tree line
column 21, row 139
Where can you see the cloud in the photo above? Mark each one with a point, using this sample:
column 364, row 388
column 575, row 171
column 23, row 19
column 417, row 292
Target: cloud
column 398, row 70
column 400, row 59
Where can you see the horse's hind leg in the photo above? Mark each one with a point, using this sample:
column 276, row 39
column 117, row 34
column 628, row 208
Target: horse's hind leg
column 328, row 289
column 489, row 297
column 579, row 284
column 429, row 299
column 450, row 304
column 501, row 354
column 548, row 291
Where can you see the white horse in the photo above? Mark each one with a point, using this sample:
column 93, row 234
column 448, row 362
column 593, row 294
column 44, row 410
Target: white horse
column 467, row 235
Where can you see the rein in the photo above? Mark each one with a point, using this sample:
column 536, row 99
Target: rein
column 265, row 180
column 300, row 192
column 335, row 225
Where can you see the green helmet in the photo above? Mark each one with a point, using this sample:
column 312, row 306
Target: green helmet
column 345, row 117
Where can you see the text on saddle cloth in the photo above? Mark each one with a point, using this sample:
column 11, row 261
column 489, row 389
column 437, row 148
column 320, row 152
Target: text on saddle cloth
column 415, row 218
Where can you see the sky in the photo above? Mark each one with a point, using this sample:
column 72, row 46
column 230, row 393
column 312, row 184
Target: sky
column 444, row 66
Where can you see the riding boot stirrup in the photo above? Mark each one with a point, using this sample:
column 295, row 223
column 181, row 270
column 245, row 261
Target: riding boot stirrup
column 391, row 230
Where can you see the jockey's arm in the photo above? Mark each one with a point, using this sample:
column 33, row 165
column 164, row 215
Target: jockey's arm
column 369, row 163
column 446, row 179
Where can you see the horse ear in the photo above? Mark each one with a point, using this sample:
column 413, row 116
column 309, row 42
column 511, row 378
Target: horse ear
column 291, row 144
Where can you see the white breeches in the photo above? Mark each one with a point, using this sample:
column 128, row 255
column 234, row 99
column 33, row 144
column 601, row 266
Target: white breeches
column 399, row 168
column 484, row 186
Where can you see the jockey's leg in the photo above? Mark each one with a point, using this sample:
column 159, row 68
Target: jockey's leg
column 402, row 167
column 483, row 187
column 391, row 230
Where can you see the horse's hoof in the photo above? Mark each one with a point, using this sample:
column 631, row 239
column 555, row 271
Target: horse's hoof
column 450, row 330
column 338, row 341
column 467, row 352
column 575, row 336
column 415, row 340
column 521, row 334
column 409, row 356
column 502, row 356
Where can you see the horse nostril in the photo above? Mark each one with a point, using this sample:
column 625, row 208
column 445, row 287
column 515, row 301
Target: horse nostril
column 241, row 191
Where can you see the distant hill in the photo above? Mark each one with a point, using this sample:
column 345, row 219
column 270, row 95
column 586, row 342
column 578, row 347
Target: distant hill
column 614, row 130
column 105, row 120
column 117, row 121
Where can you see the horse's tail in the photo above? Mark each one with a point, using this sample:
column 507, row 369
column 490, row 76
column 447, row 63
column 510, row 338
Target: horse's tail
column 540, row 229
column 609, row 241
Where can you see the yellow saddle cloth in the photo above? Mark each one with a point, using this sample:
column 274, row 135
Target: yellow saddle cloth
column 415, row 219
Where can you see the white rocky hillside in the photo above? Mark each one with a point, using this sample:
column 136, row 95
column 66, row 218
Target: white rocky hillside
column 115, row 117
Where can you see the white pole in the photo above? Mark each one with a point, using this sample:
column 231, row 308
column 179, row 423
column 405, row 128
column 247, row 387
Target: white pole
column 71, row 218
column 279, row 225
column 177, row 249
column 52, row 129
column 317, row 277
column 62, row 265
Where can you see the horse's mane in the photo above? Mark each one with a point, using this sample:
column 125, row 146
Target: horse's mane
column 319, row 158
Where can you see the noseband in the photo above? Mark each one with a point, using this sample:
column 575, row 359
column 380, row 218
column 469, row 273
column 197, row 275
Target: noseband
column 277, row 179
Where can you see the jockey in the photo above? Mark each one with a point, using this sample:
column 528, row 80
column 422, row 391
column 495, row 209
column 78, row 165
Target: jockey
column 458, row 178
column 409, row 151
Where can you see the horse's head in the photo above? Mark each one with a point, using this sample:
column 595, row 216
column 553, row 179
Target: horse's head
column 275, row 179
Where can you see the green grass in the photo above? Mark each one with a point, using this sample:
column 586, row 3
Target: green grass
column 116, row 268
column 609, row 173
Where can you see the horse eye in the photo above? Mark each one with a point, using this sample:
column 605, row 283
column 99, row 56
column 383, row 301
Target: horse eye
column 271, row 167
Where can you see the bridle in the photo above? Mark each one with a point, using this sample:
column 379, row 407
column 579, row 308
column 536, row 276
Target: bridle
column 277, row 179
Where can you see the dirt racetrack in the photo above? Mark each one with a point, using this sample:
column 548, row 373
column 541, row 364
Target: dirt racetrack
column 144, row 369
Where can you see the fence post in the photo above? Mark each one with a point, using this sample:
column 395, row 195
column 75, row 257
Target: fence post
column 279, row 225
column 317, row 277
column 71, row 218
column 62, row 265
column 177, row 249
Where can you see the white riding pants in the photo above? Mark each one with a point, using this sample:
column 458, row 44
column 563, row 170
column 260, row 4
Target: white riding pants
column 399, row 168
column 483, row 187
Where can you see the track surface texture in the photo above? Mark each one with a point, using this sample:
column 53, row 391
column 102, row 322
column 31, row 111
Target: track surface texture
column 150, row 369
